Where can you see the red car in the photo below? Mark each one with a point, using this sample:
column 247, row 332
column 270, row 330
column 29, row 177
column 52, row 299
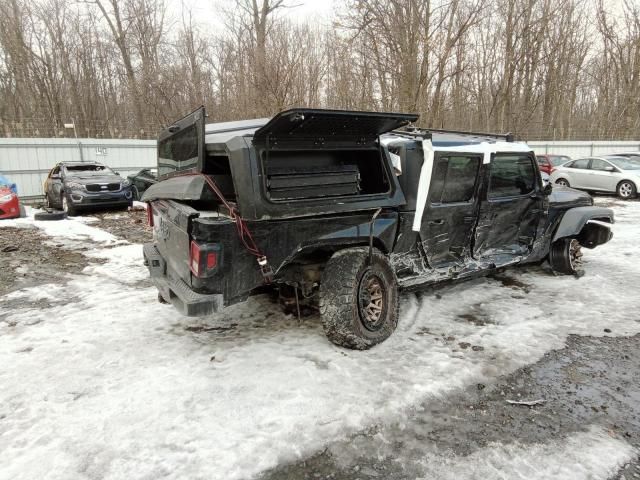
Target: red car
column 9, row 203
column 548, row 161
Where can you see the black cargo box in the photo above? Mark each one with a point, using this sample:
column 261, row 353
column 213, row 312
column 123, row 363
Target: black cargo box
column 298, row 183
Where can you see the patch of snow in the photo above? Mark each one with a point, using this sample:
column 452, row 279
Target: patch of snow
column 139, row 205
column 41, row 292
column 121, row 386
column 583, row 455
column 123, row 265
column 87, row 220
column 70, row 233
column 22, row 270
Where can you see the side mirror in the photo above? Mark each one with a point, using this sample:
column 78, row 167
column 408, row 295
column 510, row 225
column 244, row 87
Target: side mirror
column 609, row 169
column 548, row 188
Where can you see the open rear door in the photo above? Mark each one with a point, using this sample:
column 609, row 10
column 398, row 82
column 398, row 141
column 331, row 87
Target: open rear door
column 181, row 145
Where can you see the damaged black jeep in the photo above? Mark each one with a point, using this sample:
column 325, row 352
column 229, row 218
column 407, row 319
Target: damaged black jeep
column 341, row 210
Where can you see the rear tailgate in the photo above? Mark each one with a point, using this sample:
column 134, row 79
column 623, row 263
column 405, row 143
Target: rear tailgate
column 171, row 223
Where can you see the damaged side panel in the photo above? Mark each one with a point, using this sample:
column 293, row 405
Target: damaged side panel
column 285, row 243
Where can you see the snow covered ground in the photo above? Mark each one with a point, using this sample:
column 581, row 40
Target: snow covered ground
column 107, row 383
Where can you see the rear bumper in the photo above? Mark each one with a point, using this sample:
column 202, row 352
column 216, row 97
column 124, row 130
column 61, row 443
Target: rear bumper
column 176, row 291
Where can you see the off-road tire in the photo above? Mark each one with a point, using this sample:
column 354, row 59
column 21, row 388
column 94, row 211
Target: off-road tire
column 563, row 257
column 135, row 195
column 626, row 189
column 341, row 305
column 50, row 214
column 563, row 181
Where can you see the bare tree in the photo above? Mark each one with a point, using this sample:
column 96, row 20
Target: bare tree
column 540, row 68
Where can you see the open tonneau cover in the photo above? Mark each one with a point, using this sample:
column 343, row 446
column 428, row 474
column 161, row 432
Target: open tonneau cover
column 314, row 127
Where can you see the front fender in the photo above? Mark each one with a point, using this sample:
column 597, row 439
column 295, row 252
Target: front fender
column 575, row 219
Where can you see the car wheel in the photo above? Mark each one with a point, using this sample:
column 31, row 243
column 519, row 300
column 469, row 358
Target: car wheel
column 359, row 301
column 626, row 190
column 563, row 182
column 67, row 207
column 565, row 256
column 50, row 215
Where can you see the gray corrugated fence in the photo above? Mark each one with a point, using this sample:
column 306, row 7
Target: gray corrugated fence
column 577, row 149
column 26, row 161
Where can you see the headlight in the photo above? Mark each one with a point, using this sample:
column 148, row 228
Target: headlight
column 6, row 198
column 125, row 183
column 74, row 186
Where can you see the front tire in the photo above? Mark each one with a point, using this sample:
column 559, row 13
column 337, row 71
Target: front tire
column 565, row 256
column 67, row 207
column 359, row 302
column 626, row 190
column 563, row 182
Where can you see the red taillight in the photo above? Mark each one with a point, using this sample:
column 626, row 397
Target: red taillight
column 212, row 259
column 149, row 215
column 552, row 170
column 204, row 259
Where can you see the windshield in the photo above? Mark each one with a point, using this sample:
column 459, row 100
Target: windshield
column 558, row 160
column 88, row 170
column 632, row 163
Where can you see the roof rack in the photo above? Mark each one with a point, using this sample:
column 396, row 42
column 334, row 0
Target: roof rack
column 426, row 133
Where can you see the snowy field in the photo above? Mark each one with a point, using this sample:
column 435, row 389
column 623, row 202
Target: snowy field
column 106, row 383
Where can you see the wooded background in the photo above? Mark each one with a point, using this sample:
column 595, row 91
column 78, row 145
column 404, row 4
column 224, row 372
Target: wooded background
column 542, row 69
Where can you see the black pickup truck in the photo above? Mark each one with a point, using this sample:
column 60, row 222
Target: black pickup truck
column 341, row 210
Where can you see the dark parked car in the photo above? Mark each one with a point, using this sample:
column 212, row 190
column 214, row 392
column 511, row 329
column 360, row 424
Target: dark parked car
column 75, row 186
column 547, row 162
column 142, row 180
column 631, row 155
column 344, row 209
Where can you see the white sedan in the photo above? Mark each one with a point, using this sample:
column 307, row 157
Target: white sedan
column 611, row 173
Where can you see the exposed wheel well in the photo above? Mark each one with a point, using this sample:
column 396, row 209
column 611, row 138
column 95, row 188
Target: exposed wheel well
column 592, row 234
column 322, row 253
column 309, row 263
column 627, row 180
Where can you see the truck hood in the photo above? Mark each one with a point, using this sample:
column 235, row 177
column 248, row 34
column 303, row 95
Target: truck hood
column 564, row 197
